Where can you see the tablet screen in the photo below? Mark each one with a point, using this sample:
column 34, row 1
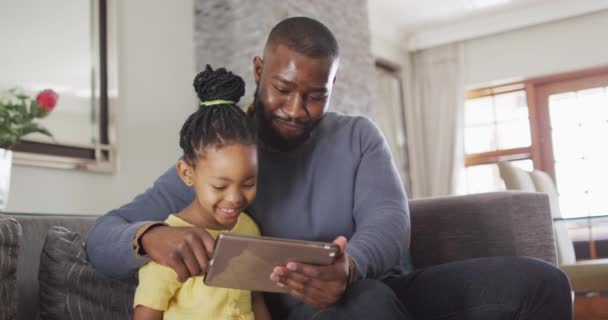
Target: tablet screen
column 245, row 262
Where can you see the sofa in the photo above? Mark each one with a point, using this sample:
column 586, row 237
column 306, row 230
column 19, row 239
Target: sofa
column 44, row 273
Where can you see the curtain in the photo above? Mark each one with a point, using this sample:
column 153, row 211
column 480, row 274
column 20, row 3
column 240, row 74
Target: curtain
column 434, row 120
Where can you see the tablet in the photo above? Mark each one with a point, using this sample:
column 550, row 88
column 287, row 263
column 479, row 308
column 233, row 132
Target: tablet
column 245, row 262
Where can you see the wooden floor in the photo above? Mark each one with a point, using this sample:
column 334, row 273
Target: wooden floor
column 591, row 308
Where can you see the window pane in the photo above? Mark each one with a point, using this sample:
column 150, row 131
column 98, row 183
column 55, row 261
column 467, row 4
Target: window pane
column 483, row 178
column 480, row 139
column 512, row 120
column 561, row 100
column 513, row 134
column 567, row 144
column 497, row 122
column 566, row 127
column 572, row 197
column 592, row 98
column 511, row 106
column 479, row 111
column 579, row 123
column 525, row 164
column 486, row 177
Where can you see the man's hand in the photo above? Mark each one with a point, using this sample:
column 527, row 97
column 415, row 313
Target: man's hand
column 318, row 286
column 184, row 249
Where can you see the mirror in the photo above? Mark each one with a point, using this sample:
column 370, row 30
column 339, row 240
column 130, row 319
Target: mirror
column 60, row 45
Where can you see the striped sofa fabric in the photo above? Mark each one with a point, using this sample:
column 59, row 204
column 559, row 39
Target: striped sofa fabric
column 10, row 240
column 70, row 289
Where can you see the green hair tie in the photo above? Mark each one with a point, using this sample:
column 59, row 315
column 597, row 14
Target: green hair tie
column 216, row 102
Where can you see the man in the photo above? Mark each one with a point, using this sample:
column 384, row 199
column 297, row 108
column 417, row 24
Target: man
column 326, row 176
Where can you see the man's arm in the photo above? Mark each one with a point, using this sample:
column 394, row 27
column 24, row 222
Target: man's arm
column 110, row 243
column 382, row 232
column 381, row 211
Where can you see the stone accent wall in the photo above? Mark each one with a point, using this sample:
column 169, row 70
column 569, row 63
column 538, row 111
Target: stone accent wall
column 231, row 32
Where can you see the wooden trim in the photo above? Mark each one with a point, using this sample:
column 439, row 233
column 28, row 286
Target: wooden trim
column 492, row 91
column 568, row 75
column 498, row 155
column 535, row 131
column 537, row 81
column 592, row 249
column 545, row 143
column 567, row 85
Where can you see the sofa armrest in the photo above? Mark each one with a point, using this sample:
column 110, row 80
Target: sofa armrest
column 510, row 223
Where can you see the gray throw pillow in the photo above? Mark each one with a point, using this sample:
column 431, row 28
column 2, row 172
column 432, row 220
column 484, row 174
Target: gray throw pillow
column 10, row 240
column 71, row 289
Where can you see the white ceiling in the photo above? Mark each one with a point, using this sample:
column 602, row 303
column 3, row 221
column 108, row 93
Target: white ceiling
column 412, row 15
column 416, row 24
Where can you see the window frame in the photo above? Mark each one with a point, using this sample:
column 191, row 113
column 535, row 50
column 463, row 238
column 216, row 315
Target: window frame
column 489, row 157
column 100, row 156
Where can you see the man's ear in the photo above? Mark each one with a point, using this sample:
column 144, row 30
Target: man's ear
column 258, row 66
column 185, row 172
column 334, row 67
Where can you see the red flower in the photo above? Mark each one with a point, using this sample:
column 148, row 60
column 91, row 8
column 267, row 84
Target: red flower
column 47, row 99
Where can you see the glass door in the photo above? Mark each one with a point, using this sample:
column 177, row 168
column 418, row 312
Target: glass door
column 573, row 134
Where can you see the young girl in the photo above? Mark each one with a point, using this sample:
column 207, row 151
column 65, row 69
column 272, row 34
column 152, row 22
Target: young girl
column 220, row 164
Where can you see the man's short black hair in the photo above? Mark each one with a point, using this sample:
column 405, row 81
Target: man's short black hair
column 305, row 36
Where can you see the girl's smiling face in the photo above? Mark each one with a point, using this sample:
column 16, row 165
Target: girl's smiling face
column 225, row 182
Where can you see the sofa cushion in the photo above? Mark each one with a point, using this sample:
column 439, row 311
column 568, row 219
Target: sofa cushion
column 34, row 228
column 10, row 240
column 71, row 289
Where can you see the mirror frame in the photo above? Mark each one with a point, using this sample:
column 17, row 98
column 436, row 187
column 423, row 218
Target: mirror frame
column 99, row 156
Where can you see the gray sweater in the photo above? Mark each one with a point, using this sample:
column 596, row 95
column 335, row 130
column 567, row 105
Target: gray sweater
column 342, row 181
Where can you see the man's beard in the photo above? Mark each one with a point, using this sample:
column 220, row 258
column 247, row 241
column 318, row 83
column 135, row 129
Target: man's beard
column 267, row 133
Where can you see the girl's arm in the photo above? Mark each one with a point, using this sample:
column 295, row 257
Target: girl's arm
column 259, row 307
column 145, row 313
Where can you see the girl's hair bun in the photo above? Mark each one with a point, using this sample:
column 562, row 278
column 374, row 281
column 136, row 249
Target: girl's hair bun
column 218, row 84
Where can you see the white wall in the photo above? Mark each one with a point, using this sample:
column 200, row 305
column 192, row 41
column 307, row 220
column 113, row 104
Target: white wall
column 387, row 48
column 561, row 46
column 156, row 68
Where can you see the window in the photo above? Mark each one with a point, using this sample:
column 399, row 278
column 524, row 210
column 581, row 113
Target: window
column 497, row 128
column 555, row 124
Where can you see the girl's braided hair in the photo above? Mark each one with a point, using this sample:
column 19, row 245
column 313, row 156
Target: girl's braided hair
column 221, row 121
